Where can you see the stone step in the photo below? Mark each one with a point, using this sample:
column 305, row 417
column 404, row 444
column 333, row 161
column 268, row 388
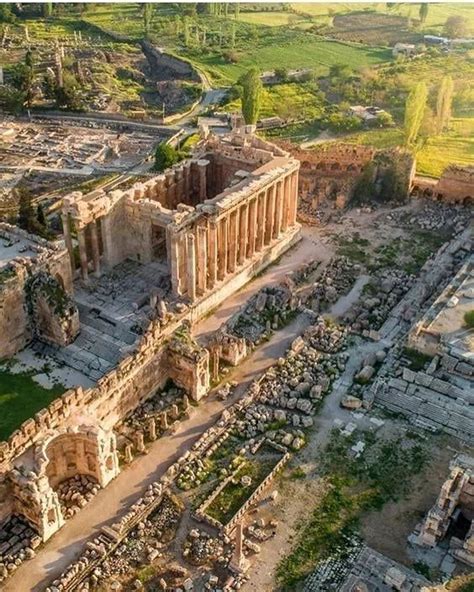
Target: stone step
column 91, row 341
column 76, row 358
column 100, row 321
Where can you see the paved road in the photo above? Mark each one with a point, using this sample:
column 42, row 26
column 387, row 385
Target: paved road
column 113, row 502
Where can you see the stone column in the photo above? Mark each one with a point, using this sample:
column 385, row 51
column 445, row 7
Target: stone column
column 202, row 165
column 170, row 190
column 252, row 228
column 68, row 240
column 187, row 182
column 270, row 214
column 285, row 204
column 278, row 209
column 160, row 191
column 95, row 247
column 164, row 420
column 201, row 259
column 212, row 253
column 294, row 211
column 175, row 263
column 260, row 221
column 233, row 238
column 191, row 265
column 81, row 239
column 222, row 255
column 243, row 231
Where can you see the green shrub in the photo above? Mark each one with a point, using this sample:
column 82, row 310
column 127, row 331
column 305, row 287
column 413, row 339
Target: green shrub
column 469, row 319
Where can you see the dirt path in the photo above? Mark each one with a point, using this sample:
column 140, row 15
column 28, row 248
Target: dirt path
column 113, row 502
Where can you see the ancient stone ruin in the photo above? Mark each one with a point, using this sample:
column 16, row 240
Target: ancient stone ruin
column 151, row 260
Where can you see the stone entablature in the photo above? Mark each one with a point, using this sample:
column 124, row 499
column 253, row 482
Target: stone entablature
column 456, row 185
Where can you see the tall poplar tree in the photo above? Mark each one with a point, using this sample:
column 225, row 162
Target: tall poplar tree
column 423, row 12
column 251, row 95
column 444, row 103
column 414, row 111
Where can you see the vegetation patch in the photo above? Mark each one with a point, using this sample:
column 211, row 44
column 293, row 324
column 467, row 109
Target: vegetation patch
column 354, row 486
column 20, row 398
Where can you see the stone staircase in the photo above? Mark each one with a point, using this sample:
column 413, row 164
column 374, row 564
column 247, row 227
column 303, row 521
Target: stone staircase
column 99, row 347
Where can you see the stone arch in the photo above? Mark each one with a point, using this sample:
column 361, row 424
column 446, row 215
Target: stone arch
column 335, row 166
column 352, row 167
column 87, row 450
column 468, row 200
column 321, row 166
column 428, row 193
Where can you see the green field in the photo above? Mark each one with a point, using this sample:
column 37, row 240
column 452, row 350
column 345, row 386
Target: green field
column 20, row 398
column 305, row 52
column 456, row 146
column 289, row 100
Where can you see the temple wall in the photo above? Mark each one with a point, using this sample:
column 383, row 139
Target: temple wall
column 456, row 185
column 15, row 330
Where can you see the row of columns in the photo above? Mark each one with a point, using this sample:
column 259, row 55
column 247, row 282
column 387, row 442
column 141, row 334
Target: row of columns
column 82, row 244
column 218, row 247
column 186, row 183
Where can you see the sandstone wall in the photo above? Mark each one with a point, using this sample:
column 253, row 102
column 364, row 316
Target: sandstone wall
column 14, row 322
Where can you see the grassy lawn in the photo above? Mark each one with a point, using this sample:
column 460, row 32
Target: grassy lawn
column 20, row 398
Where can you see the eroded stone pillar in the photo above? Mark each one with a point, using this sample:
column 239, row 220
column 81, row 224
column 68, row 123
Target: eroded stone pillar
column 201, row 259
column 81, row 239
column 175, row 263
column 243, row 231
column 252, row 228
column 285, row 204
column 294, row 210
column 233, row 238
column 95, row 247
column 191, row 266
column 270, row 218
column 260, row 222
column 222, row 254
column 278, row 209
column 212, row 253
column 202, row 167
column 68, row 240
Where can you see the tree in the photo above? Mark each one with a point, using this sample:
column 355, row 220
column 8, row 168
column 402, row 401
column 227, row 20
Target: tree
column 165, row 157
column 454, row 27
column 364, row 189
column 68, row 95
column 26, row 214
column 47, row 9
column 414, row 111
column 22, row 78
column 147, row 16
column 341, row 71
column 6, row 14
column 236, row 10
column 251, row 95
column 384, row 119
column 282, row 73
column 11, row 99
column 423, row 12
column 444, row 104
column 469, row 319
